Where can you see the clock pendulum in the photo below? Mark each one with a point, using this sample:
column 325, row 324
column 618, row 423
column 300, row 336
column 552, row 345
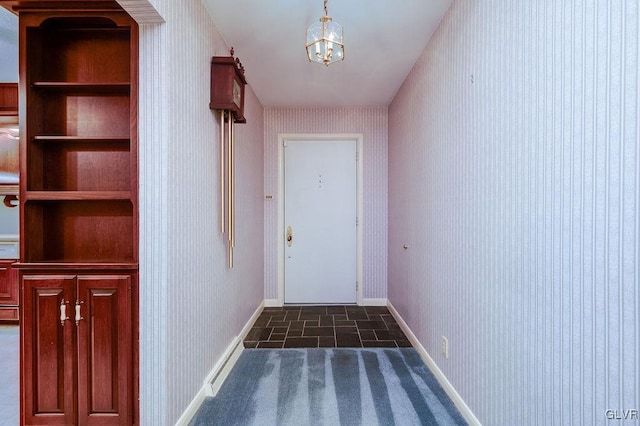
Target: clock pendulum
column 227, row 96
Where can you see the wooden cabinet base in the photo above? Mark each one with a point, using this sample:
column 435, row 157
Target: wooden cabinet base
column 77, row 347
column 9, row 315
column 8, row 293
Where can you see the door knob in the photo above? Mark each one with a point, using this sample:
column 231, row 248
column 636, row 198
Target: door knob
column 289, row 236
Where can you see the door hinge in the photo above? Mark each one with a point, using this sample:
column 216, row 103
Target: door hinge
column 357, row 221
column 357, row 156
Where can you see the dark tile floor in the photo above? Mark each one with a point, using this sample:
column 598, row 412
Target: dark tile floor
column 326, row 327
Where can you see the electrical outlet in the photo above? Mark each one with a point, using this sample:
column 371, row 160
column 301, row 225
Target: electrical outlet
column 445, row 347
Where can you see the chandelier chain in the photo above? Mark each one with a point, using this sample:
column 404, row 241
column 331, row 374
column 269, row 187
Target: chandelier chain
column 325, row 8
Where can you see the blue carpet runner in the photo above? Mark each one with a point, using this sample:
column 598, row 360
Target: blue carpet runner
column 345, row 387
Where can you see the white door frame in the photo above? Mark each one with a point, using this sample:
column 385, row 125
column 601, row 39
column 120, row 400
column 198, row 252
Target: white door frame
column 359, row 202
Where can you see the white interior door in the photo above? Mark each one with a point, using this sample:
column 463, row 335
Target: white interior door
column 320, row 221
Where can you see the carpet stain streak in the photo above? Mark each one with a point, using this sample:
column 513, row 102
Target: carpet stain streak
column 329, row 387
column 410, row 387
column 290, row 377
column 344, row 365
column 317, row 385
column 379, row 389
column 418, row 367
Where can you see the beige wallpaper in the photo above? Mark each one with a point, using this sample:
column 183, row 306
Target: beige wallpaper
column 191, row 305
column 514, row 178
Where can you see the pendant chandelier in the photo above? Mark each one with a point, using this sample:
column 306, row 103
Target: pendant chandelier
column 325, row 40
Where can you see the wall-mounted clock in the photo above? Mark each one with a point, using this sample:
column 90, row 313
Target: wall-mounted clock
column 227, row 86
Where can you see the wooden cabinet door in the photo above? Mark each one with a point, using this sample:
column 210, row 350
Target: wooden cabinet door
column 8, row 286
column 48, row 357
column 104, row 350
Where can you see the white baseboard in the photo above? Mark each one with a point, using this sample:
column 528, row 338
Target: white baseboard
column 272, row 303
column 220, row 371
column 442, row 379
column 374, row 302
column 191, row 410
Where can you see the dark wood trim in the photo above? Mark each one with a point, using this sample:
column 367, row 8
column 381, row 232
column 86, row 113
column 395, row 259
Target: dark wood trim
column 75, row 266
column 18, row 6
column 10, row 315
column 9, row 292
column 8, row 98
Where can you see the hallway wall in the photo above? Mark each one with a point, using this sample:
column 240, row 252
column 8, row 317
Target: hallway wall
column 191, row 305
column 514, row 178
column 372, row 123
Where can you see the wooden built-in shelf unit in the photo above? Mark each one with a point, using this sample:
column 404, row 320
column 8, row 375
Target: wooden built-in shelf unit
column 79, row 213
column 80, row 188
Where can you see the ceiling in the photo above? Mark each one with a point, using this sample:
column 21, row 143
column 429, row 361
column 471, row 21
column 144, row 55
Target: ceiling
column 383, row 39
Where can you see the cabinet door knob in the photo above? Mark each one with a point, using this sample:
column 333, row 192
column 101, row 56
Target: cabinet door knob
column 63, row 312
column 78, row 316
